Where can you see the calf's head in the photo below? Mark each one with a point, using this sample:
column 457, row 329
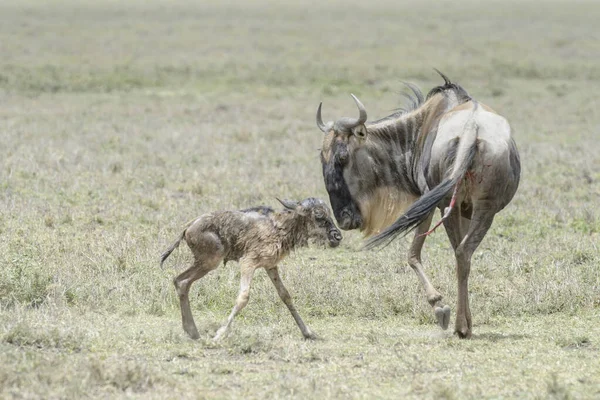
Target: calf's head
column 318, row 217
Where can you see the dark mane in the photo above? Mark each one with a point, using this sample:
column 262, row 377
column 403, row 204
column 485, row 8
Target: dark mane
column 416, row 99
column 461, row 93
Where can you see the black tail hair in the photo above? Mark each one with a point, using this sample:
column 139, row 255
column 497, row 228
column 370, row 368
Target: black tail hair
column 420, row 209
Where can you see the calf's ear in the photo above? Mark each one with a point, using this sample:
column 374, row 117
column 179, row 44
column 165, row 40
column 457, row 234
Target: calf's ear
column 289, row 204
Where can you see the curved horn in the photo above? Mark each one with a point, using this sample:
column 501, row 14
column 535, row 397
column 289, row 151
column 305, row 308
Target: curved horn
column 361, row 109
column 322, row 126
column 349, row 123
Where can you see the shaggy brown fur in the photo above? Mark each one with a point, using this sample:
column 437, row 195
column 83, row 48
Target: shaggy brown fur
column 258, row 237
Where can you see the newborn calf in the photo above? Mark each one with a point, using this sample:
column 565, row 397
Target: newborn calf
column 256, row 237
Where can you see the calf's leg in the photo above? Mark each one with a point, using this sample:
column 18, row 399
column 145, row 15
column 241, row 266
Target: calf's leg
column 287, row 300
column 207, row 257
column 247, row 272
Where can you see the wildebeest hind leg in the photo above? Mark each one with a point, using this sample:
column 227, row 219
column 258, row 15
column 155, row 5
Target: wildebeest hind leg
column 456, row 228
column 482, row 218
column 442, row 312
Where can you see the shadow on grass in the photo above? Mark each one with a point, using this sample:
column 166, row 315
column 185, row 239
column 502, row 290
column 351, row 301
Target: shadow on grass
column 496, row 337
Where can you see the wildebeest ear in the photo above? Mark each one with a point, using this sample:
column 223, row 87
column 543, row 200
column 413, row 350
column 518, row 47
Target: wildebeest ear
column 360, row 131
column 290, row 205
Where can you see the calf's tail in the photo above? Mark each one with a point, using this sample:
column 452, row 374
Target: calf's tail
column 420, row 209
column 172, row 247
column 175, row 244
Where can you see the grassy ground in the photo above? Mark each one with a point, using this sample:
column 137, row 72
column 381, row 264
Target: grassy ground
column 119, row 123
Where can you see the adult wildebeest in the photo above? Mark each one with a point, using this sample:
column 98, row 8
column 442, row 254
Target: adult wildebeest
column 386, row 178
column 258, row 237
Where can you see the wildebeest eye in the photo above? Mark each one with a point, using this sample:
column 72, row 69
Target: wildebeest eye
column 320, row 216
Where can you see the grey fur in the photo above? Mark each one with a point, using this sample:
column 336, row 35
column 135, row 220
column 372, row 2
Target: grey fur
column 448, row 152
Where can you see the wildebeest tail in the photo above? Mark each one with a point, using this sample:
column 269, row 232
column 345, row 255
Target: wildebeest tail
column 420, row 209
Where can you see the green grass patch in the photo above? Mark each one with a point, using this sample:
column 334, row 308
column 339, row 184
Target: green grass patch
column 120, row 123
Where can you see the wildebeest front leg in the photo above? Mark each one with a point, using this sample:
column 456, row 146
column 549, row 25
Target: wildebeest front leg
column 442, row 312
column 247, row 271
column 482, row 219
column 287, row 299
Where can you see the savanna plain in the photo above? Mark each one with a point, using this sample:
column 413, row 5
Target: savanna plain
column 121, row 121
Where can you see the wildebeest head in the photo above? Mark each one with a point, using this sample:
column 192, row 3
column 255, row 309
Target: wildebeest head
column 321, row 227
column 341, row 138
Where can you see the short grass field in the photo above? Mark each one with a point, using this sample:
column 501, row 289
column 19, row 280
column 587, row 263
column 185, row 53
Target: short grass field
column 121, row 121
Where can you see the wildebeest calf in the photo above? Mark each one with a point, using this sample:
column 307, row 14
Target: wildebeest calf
column 257, row 237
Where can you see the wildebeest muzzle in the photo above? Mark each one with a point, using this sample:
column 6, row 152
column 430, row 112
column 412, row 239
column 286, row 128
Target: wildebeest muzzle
column 348, row 218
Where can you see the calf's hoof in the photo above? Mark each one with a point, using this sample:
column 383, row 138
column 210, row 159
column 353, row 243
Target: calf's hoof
column 220, row 334
column 192, row 332
column 462, row 330
column 434, row 299
column 442, row 314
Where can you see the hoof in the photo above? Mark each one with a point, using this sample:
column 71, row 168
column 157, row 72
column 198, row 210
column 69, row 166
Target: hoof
column 217, row 338
column 434, row 299
column 192, row 333
column 463, row 334
column 463, row 331
column 311, row 336
column 220, row 334
column 442, row 314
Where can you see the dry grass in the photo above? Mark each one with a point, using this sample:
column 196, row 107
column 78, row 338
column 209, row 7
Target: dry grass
column 120, row 123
